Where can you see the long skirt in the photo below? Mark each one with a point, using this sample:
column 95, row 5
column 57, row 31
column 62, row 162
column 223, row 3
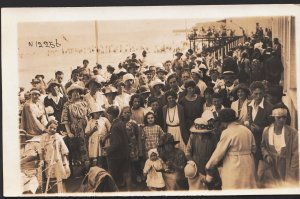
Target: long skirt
column 175, row 131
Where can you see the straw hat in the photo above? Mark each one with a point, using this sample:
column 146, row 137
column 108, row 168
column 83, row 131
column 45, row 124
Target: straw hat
column 156, row 82
column 96, row 107
column 74, row 87
column 201, row 126
column 35, row 91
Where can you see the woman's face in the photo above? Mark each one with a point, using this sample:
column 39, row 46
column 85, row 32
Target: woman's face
column 52, row 129
column 126, row 113
column 190, row 90
column 129, row 82
column 136, row 103
column 54, row 90
column 241, row 94
column 173, row 83
column 111, row 96
column 171, row 100
column 35, row 97
column 75, row 95
column 280, row 120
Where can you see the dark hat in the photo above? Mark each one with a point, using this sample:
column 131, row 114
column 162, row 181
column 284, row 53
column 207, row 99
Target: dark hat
column 189, row 83
column 178, row 54
column 42, row 76
column 52, row 83
column 35, row 81
column 144, row 89
column 167, row 138
column 227, row 115
column 276, row 91
column 241, row 86
column 133, row 65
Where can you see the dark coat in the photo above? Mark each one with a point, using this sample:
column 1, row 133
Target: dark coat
column 118, row 148
column 262, row 120
column 273, row 69
column 185, row 133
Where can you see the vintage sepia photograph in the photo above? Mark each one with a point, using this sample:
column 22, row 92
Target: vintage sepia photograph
column 193, row 104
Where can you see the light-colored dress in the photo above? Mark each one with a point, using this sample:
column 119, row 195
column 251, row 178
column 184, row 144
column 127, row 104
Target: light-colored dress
column 173, row 124
column 94, row 140
column 235, row 148
column 154, row 178
column 54, row 155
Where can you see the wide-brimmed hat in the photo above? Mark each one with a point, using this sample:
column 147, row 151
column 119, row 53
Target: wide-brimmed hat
column 196, row 71
column 110, row 89
column 227, row 115
column 98, row 79
column 74, row 87
column 95, row 107
column 242, row 86
column 161, row 70
column 128, row 76
column 156, row 82
column 201, row 126
column 52, row 83
column 190, row 170
column 167, row 138
column 178, row 54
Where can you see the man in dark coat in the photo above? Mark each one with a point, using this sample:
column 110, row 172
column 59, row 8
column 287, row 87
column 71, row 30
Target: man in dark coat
column 230, row 64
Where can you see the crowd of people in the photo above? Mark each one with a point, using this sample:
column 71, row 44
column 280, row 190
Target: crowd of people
column 192, row 123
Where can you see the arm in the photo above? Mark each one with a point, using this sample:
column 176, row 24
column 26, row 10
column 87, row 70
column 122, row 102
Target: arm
column 220, row 151
column 188, row 153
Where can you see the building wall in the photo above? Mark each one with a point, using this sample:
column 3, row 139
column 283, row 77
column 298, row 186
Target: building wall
column 284, row 29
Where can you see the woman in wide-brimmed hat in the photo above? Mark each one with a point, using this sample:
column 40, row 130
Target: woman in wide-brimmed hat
column 74, row 117
column 175, row 161
column 201, row 145
column 241, row 92
column 110, row 93
column 236, row 148
column 280, row 151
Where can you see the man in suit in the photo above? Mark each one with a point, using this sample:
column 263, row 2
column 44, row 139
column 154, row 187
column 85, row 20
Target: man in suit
column 258, row 116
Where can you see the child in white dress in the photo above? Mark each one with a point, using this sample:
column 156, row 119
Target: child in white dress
column 153, row 170
column 97, row 130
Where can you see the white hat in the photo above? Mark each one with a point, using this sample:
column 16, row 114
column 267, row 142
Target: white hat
column 201, row 126
column 156, row 82
column 128, row 76
column 96, row 78
column 74, row 87
column 152, row 151
column 199, row 59
column 110, row 89
column 96, row 107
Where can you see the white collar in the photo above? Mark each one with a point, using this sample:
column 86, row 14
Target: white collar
column 261, row 104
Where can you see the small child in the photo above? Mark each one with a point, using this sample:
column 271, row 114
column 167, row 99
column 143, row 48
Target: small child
column 151, row 132
column 153, row 170
column 97, row 132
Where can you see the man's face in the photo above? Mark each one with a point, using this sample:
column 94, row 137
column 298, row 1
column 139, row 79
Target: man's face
column 173, row 83
column 217, row 102
column 60, row 78
column 257, row 95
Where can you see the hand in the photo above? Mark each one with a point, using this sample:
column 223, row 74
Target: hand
column 208, row 178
